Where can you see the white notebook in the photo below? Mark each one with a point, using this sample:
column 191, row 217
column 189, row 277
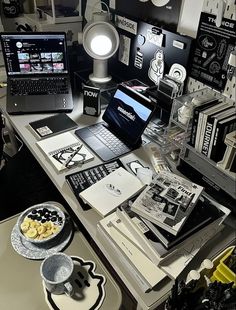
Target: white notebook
column 65, row 151
column 108, row 193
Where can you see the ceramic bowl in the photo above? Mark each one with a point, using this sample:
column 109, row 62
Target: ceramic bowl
column 41, row 223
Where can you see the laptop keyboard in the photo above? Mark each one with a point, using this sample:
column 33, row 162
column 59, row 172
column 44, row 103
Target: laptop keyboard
column 42, row 86
column 109, row 139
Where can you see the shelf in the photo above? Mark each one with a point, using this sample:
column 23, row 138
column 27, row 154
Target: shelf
column 218, row 183
column 209, row 169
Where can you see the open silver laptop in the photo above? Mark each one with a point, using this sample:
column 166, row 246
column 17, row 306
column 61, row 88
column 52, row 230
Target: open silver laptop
column 37, row 72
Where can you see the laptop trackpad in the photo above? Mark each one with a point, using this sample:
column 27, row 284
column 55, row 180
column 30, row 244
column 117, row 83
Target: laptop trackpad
column 100, row 149
column 40, row 103
column 94, row 142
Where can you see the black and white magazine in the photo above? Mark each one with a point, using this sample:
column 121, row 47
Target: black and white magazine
column 168, row 201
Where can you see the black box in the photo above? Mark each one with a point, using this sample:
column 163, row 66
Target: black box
column 91, row 100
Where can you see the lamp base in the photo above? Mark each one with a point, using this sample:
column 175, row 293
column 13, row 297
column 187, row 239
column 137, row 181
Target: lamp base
column 99, row 80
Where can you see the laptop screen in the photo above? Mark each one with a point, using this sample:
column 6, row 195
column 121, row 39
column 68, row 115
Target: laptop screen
column 34, row 53
column 128, row 113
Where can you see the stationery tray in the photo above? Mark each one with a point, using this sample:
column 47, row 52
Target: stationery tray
column 221, row 271
column 216, row 274
column 40, row 251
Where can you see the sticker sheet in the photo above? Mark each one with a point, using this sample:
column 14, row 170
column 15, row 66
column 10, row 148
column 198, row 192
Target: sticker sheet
column 212, row 51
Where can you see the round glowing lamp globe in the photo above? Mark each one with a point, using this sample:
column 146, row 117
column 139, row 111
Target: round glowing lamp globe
column 100, row 41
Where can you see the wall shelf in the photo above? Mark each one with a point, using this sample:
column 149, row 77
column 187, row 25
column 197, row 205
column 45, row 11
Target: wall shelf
column 217, row 182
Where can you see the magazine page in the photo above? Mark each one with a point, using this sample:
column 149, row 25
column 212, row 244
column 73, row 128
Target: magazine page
column 168, row 201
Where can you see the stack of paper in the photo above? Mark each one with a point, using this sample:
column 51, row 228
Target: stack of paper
column 149, row 274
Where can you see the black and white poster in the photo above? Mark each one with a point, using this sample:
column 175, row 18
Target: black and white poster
column 212, row 51
column 153, row 51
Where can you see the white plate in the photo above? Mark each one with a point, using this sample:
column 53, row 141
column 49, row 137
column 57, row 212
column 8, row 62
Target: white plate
column 32, row 251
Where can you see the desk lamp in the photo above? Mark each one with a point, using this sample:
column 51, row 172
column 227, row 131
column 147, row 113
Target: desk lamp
column 100, row 41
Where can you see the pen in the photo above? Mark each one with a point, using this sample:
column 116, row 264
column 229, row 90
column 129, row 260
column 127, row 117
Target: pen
column 72, row 155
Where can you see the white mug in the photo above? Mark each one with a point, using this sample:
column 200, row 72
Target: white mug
column 56, row 269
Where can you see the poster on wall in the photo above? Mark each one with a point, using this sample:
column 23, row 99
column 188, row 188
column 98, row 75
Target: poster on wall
column 153, row 52
column 212, row 51
column 164, row 13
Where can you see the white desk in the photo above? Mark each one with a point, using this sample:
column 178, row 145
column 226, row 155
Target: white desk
column 21, row 284
column 90, row 218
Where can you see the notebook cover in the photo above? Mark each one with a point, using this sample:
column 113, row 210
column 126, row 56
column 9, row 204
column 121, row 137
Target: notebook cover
column 53, row 124
column 65, row 151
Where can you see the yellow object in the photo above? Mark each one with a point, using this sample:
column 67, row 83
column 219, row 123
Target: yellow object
column 55, row 229
column 47, row 233
column 32, row 233
column 41, row 229
column 33, row 224
column 38, row 231
column 27, row 219
column 223, row 273
column 24, row 226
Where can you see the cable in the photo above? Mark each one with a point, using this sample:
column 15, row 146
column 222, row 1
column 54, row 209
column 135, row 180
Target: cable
column 102, row 2
column 1, row 128
column 4, row 140
column 19, row 140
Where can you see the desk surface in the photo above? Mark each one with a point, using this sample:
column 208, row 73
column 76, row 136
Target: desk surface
column 90, row 218
column 21, row 285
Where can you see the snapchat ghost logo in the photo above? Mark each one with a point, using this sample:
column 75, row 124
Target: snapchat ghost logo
column 88, row 286
column 156, row 69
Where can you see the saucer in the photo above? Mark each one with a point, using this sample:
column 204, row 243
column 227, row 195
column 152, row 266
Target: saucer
column 88, row 285
column 32, row 251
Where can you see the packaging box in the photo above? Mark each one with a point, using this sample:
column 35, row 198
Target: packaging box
column 91, row 100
